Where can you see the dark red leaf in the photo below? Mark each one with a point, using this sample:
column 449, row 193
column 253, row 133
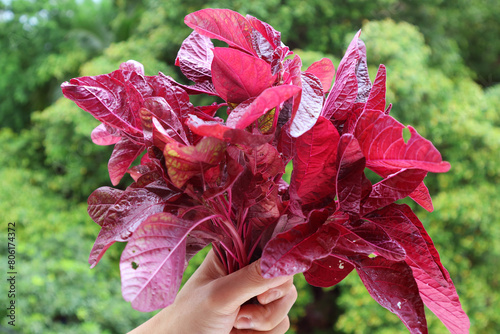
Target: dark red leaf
column 195, row 58
column 381, row 139
column 222, row 24
column 376, row 99
column 395, row 186
column 124, row 153
column 392, row 285
column 328, row 271
column 314, row 165
column 324, row 70
column 238, row 76
column 422, row 197
column 351, row 177
column 295, row 250
column 119, row 220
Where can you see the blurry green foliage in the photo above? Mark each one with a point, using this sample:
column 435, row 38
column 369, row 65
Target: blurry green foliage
column 50, row 167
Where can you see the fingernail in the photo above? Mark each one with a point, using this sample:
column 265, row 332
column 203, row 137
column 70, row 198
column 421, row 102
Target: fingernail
column 243, row 323
column 272, row 296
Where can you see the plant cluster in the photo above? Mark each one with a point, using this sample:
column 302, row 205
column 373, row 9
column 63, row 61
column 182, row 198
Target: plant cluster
column 204, row 180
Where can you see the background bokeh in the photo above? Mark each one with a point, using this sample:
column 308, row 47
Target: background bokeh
column 443, row 62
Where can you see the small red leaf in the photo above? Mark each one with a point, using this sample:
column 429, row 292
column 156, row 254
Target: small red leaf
column 247, row 113
column 376, row 99
column 105, row 135
column 422, row 197
column 328, row 271
column 123, row 155
column 238, row 76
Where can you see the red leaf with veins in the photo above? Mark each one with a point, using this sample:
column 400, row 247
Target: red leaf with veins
column 314, row 165
column 105, row 135
column 422, row 197
column 153, row 261
column 328, row 271
column 392, row 285
column 238, row 76
column 222, row 24
column 195, row 57
column 376, row 99
column 124, row 153
column 381, row 139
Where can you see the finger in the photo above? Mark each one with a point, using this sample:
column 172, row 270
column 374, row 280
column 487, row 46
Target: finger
column 275, row 293
column 266, row 317
column 282, row 328
column 244, row 284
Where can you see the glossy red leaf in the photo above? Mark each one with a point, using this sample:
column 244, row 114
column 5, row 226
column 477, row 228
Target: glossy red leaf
column 220, row 131
column 195, row 57
column 176, row 97
column 153, row 261
column 376, row 99
column 238, row 76
column 311, row 102
column 124, row 153
column 324, row 70
column 314, row 165
column 422, row 197
column 345, row 88
column 295, row 250
column 105, row 135
column 381, row 139
column 183, row 162
column 222, row 24
column 265, row 39
column 396, row 186
column 328, row 271
column 205, row 87
column 392, row 285
column 119, row 220
column 247, row 113
column 167, row 118
column 350, row 176
column 435, row 285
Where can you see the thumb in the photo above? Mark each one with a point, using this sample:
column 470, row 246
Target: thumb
column 244, row 284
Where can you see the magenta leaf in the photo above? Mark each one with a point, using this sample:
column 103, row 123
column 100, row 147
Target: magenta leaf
column 310, row 106
column 119, row 220
column 205, row 87
column 265, row 39
column 392, row 285
column 248, row 112
column 238, row 76
column 376, row 99
column 314, row 165
column 105, row 135
column 222, row 24
column 345, row 87
column 328, row 271
column 124, row 153
column 176, row 97
column 153, row 261
column 295, row 250
column 195, row 57
column 167, row 118
column 381, row 139
column 324, row 70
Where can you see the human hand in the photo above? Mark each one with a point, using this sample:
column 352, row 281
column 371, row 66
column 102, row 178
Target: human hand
column 211, row 302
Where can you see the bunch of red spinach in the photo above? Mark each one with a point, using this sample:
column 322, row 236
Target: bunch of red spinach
column 203, row 180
